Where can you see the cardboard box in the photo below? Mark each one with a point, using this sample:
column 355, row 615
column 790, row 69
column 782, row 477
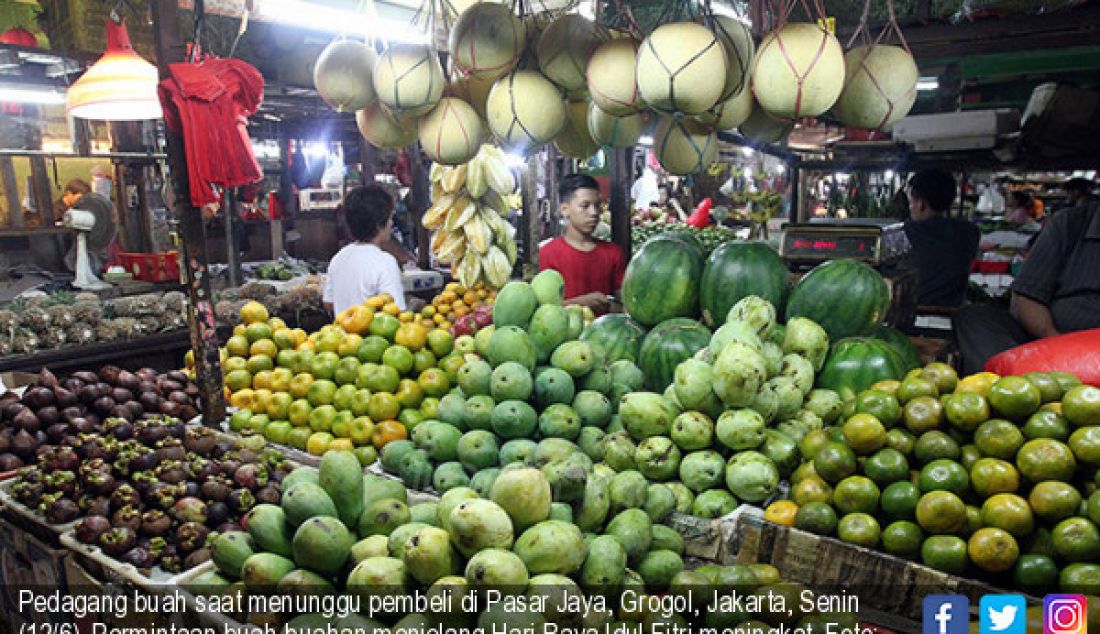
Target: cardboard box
column 16, row 381
column 28, row 564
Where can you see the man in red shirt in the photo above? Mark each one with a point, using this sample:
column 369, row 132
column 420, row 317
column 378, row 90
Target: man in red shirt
column 593, row 269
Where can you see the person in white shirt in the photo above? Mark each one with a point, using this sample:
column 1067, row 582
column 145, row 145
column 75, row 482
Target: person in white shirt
column 362, row 269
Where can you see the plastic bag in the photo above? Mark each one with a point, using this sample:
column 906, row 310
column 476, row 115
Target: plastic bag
column 1076, row 352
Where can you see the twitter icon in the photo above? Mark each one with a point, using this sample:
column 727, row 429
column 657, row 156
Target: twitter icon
column 1002, row 614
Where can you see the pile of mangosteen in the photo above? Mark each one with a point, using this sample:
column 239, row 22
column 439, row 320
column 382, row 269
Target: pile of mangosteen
column 56, row 411
column 152, row 492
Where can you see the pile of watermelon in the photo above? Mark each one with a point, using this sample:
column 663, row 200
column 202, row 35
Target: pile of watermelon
column 674, row 294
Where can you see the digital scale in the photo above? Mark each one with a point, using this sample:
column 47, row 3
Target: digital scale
column 880, row 242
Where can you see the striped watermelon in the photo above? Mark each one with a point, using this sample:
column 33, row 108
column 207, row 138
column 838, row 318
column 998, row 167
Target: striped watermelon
column 620, row 336
column 736, row 270
column 901, row 344
column 846, row 297
column 666, row 346
column 856, row 363
column 662, row 281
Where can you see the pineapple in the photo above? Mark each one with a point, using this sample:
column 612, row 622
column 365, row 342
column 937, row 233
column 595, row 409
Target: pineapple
column 87, row 313
column 37, row 300
column 55, row 337
column 175, row 320
column 61, row 316
column 106, row 331
column 127, row 327
column 123, row 307
column 226, row 312
column 36, row 318
column 81, row 334
column 82, row 298
column 5, row 346
column 149, row 305
column 174, row 301
column 149, row 324
column 9, row 319
column 25, row 341
column 253, row 290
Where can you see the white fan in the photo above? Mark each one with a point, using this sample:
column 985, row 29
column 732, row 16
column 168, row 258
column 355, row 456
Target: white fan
column 91, row 219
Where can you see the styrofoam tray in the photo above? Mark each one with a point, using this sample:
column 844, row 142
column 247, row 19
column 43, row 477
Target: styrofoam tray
column 17, row 508
column 115, row 570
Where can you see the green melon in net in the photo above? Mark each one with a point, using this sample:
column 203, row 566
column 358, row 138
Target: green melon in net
column 880, row 86
column 524, row 110
column 611, row 77
column 683, row 147
column 487, row 40
column 341, row 75
column 409, row 79
column 681, row 68
column 798, row 71
column 383, row 130
column 451, row 134
column 564, row 48
column 613, row 131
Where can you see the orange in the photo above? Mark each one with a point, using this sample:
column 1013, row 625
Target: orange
column 300, row 336
column 319, row 442
column 237, row 346
column 405, row 316
column 447, row 296
column 812, row 489
column 383, row 406
column 254, row 312
column 992, row 549
column 262, row 380
column 284, row 338
column 349, row 345
column 263, row 400
column 259, row 363
column 977, row 383
column 781, row 512
column 240, row 329
column 243, row 399
column 299, row 384
column 412, row 336
column 386, row 432
column 341, row 444
column 434, row 381
column 391, row 309
column 265, row 347
column 280, row 379
column 237, row 380
column 257, row 331
column 276, row 323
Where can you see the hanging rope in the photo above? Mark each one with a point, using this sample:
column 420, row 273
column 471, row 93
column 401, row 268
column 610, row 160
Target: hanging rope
column 863, row 33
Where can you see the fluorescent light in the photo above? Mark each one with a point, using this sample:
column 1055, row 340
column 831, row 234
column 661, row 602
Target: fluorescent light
column 645, row 140
column 779, row 169
column 318, row 17
column 514, row 160
column 888, row 175
column 316, row 149
column 746, row 150
column 925, row 84
column 32, row 95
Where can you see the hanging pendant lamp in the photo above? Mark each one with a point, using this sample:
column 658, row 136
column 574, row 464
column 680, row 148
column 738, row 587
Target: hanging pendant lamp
column 121, row 86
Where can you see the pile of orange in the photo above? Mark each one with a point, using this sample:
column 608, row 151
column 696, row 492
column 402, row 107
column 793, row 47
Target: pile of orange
column 456, row 301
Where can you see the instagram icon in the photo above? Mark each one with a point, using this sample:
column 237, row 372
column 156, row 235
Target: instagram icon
column 1064, row 614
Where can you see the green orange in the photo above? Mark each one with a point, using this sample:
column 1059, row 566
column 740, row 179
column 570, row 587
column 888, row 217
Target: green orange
column 899, row 500
column 816, row 517
column 864, row 433
column 835, row 461
column 887, row 465
column 941, row 512
column 1014, row 397
column 856, row 494
column 859, row 528
column 998, row 438
column 902, row 538
column 1053, row 501
column 923, row 413
column 1009, row 512
column 946, row 553
column 1081, row 405
column 966, row 410
column 993, row 549
column 989, row 476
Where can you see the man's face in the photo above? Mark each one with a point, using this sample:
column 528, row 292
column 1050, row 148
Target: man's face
column 918, row 209
column 582, row 210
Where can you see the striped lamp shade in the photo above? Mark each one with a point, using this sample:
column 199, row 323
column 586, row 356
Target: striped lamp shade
column 121, row 86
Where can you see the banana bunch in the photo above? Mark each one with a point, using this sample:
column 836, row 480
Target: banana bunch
column 469, row 215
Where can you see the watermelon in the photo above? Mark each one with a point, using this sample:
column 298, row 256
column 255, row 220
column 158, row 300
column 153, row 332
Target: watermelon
column 901, row 344
column 620, row 336
column 666, row 346
column 736, row 270
column 846, row 297
column 662, row 281
column 855, row 363
column 681, row 234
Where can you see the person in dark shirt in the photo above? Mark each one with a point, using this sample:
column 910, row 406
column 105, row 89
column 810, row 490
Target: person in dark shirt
column 942, row 247
column 1056, row 291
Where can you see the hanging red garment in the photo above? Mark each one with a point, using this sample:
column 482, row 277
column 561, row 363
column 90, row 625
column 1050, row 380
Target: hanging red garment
column 209, row 103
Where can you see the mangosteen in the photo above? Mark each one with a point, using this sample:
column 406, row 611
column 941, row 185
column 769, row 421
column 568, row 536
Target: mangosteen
column 103, row 405
column 109, row 373
column 177, row 376
column 47, row 378
column 146, row 460
column 150, row 401
column 170, row 408
column 127, row 517
column 200, row 440
column 94, row 419
column 240, row 501
column 170, row 559
column 85, row 376
column 171, row 472
column 197, row 558
column 150, row 432
column 90, row 528
column 192, row 390
column 217, row 513
column 123, row 412
column 9, row 462
column 202, row 469
column 135, row 409
column 191, row 536
column 176, row 427
column 62, row 510
column 71, row 412
column 5, row 439
column 100, row 506
column 155, row 523
column 56, row 432
column 88, row 394
column 93, row 464
column 126, row 380
column 99, row 482
column 28, row 494
column 171, row 449
column 125, row 495
column 117, row 541
column 39, row 397
column 191, row 489
column 63, row 397
column 215, row 490
column 156, row 545
column 63, row 482
column 247, row 455
column 230, row 466
column 121, row 395
column 27, row 421
column 188, row 412
column 165, row 496
column 144, row 481
column 189, row 509
column 72, row 384
column 56, row 459
column 139, row 558
column 49, row 415
column 221, row 448
column 269, row 494
column 146, row 374
column 167, row 386
column 82, row 425
column 118, row 426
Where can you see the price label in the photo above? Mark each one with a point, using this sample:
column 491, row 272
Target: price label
column 829, row 24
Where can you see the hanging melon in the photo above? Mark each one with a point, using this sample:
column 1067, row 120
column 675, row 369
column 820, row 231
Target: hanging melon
column 342, row 75
column 409, row 79
column 761, row 127
column 613, row 131
column 728, row 114
column 798, row 71
column 564, row 48
column 737, row 43
column 880, row 86
column 472, row 90
column 451, row 134
column 487, row 40
column 681, row 68
column 524, row 110
column 382, row 129
column 684, row 147
column 612, row 79
column 574, row 139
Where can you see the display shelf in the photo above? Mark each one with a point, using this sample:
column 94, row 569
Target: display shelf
column 159, row 350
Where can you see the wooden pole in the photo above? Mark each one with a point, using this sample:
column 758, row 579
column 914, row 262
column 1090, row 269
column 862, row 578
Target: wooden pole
column 419, row 202
column 11, row 192
column 200, row 313
column 529, row 226
column 620, row 168
column 232, row 253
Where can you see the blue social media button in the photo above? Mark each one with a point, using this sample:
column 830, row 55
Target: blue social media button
column 1003, row 614
column 945, row 614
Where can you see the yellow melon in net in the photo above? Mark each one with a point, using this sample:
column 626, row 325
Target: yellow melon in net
column 524, row 110
column 798, row 71
column 409, row 79
column 451, row 134
column 880, row 86
column 487, row 40
column 615, row 131
column 574, row 139
column 728, row 114
column 342, row 75
column 681, row 68
column 472, row 90
column 381, row 129
column 738, row 45
column 761, row 127
column 684, row 147
column 611, row 77
column 564, row 48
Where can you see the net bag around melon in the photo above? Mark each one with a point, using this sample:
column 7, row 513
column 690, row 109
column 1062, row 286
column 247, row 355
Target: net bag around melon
column 472, row 90
column 683, row 147
column 611, row 77
column 739, row 47
column 342, row 75
column 681, row 68
column 409, row 79
column 728, row 114
column 564, row 49
column 761, row 127
column 383, row 130
column 524, row 110
column 613, row 131
column 798, row 71
column 574, row 140
column 451, row 134
column 487, row 40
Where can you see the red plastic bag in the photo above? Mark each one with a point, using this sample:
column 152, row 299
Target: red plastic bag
column 701, row 216
column 1075, row 352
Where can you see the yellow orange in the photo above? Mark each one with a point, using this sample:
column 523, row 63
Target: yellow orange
column 276, row 323
column 412, row 336
column 263, row 347
column 781, row 512
column 254, row 312
column 243, row 399
column 391, row 308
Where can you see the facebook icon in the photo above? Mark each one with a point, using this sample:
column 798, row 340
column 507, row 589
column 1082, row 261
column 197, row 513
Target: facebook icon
column 946, row 614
